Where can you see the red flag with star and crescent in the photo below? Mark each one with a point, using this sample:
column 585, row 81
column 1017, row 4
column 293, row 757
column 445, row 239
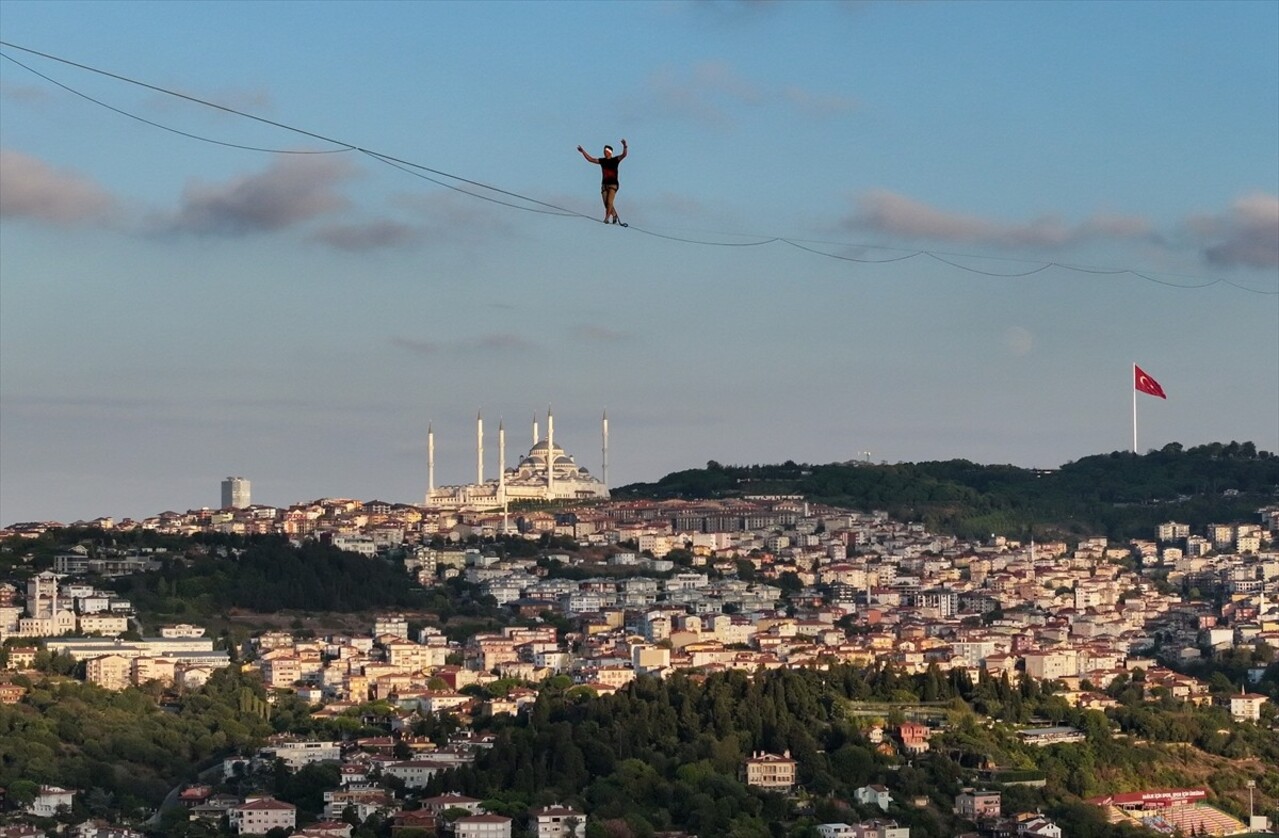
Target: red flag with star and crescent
column 1144, row 383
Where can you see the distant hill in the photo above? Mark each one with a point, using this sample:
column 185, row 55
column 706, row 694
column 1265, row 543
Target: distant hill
column 1120, row 495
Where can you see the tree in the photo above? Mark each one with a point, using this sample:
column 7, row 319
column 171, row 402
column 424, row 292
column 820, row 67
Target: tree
column 790, row 582
column 22, row 793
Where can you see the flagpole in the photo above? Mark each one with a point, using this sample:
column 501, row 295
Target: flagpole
column 1133, row 387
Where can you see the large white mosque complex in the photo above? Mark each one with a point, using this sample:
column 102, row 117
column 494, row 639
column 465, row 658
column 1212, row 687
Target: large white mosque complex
column 546, row 473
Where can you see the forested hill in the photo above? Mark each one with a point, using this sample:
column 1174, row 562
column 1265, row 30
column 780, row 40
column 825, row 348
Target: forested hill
column 1118, row 494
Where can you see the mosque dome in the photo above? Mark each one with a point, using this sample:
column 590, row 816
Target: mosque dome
column 546, row 472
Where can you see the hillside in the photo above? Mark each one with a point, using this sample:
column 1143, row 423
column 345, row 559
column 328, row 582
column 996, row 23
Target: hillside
column 664, row 755
column 1120, row 495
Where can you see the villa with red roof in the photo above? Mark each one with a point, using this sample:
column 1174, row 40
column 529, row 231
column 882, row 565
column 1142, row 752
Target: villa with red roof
column 482, row 826
column 259, row 815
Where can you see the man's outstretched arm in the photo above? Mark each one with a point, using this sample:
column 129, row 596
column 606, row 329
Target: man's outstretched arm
column 623, row 154
column 591, row 159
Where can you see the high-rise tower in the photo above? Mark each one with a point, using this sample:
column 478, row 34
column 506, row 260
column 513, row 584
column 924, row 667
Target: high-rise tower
column 235, row 493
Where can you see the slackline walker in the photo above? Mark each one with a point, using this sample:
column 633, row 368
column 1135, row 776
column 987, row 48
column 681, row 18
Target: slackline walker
column 608, row 187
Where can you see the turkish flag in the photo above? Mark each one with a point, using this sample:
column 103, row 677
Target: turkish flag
column 1146, row 384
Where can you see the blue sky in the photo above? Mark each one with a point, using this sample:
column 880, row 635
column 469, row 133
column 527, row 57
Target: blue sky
column 173, row 310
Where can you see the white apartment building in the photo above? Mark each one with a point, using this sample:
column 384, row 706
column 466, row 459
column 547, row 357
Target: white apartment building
column 393, row 624
column 416, row 773
column 281, row 673
column 1052, row 664
column 181, row 630
column 299, row 754
column 260, row 815
column 874, row 795
column 83, row 648
column 355, row 543
column 770, row 771
column 880, row 829
column 107, row 625
column 650, row 658
column 482, row 826
column 1221, row 535
column 48, row 800
column 557, row 821
column 835, row 830
column 152, row 669
column 975, row 651
column 111, row 672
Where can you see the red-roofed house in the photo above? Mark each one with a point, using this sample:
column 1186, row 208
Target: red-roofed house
column 770, row 771
column 416, row 819
column 258, row 816
column 914, row 737
column 444, row 802
column 1246, row 707
column 193, row 796
column 11, row 693
column 482, row 826
column 326, row 829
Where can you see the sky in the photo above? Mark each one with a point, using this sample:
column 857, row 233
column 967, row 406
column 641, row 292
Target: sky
column 897, row 231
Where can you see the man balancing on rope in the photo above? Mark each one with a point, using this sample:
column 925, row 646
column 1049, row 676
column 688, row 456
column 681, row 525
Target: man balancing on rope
column 608, row 188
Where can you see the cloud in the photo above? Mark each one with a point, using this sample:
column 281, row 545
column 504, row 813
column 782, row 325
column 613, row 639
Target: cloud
column 254, row 102
column 680, row 204
column 448, row 214
column 27, row 94
column 440, row 215
column 374, row 235
column 502, row 342
column 707, row 92
column 506, row 343
column 817, row 104
column 1247, row 235
column 1018, row 340
column 291, row 191
column 600, row 334
column 496, row 342
column 44, row 406
column 734, row 10
column 417, row 346
column 896, row 215
column 31, row 189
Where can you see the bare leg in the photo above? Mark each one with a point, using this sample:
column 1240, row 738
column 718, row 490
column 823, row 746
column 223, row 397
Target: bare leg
column 609, row 212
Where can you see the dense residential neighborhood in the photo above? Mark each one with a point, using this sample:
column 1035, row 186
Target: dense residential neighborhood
column 649, row 589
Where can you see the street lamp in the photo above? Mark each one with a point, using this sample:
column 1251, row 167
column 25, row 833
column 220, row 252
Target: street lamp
column 1252, row 784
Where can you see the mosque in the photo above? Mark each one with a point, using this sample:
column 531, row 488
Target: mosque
column 546, row 473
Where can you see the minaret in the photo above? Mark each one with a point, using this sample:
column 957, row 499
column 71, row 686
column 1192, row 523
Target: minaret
column 479, row 448
column 501, row 462
column 604, row 470
column 535, row 436
column 550, row 454
column 501, row 476
column 430, row 463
